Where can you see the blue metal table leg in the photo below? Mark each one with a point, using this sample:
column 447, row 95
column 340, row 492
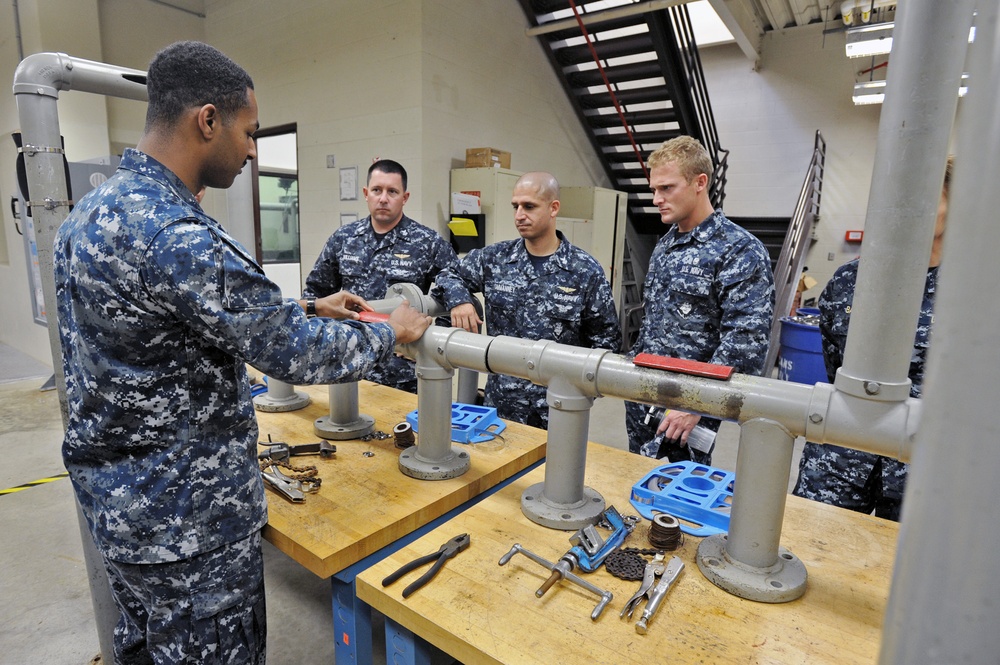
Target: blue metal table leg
column 402, row 647
column 352, row 625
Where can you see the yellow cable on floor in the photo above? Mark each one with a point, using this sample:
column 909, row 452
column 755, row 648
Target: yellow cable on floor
column 33, row 483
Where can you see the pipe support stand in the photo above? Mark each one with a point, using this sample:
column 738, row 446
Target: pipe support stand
column 280, row 397
column 562, row 501
column 783, row 582
column 748, row 561
column 344, row 422
column 433, row 458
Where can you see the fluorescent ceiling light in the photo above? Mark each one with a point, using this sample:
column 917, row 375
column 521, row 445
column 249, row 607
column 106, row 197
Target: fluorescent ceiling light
column 869, row 40
column 876, row 39
column 869, row 92
column 873, row 92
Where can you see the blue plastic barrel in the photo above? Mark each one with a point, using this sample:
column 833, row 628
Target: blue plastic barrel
column 800, row 358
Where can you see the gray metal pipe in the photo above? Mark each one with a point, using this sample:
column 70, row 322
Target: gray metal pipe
column 928, row 53
column 763, row 464
column 878, row 427
column 748, row 561
column 343, row 402
column 943, row 603
column 47, row 73
column 37, row 82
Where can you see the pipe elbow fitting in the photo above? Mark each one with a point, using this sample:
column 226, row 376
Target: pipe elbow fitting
column 43, row 74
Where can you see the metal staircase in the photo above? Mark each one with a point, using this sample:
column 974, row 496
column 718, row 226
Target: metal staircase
column 634, row 77
column 633, row 74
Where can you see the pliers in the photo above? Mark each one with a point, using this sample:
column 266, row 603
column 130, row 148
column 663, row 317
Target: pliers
column 445, row 552
column 652, row 594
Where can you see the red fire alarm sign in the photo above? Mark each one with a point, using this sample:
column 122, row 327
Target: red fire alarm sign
column 854, row 236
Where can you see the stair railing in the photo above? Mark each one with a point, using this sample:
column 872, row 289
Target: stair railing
column 788, row 269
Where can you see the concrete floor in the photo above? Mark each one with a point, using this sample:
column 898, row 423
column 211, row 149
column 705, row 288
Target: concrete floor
column 47, row 616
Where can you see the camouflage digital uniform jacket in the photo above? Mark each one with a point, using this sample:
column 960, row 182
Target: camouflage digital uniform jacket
column 708, row 296
column 159, row 308
column 568, row 302
column 353, row 259
column 842, row 476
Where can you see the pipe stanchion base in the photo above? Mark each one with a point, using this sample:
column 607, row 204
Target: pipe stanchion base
column 572, row 517
column 452, row 466
column 325, row 428
column 783, row 582
column 297, row 400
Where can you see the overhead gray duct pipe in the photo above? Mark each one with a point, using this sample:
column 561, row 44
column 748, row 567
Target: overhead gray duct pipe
column 943, row 605
column 37, row 83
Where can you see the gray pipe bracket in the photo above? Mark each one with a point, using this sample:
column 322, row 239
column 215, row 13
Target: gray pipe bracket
column 879, row 391
column 818, row 412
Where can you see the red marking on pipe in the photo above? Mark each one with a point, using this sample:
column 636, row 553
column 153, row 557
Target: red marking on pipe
column 692, row 367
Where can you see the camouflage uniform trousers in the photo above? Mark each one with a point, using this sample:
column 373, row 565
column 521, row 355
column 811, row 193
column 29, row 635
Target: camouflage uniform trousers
column 641, row 433
column 205, row 610
column 852, row 479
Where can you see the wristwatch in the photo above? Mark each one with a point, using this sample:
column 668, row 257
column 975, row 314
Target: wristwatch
column 310, row 307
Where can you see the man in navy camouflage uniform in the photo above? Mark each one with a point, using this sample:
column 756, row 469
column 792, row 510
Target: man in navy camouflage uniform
column 159, row 310
column 386, row 248
column 708, row 296
column 850, row 478
column 538, row 287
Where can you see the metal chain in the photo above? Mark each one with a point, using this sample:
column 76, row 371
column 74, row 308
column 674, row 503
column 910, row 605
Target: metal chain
column 296, row 472
column 625, row 565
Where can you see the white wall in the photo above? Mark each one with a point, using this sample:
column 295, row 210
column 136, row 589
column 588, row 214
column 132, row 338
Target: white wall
column 70, row 26
column 768, row 118
column 418, row 81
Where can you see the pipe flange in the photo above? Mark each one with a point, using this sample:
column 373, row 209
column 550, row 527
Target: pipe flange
column 326, row 428
column 452, row 466
column 780, row 583
column 567, row 517
column 269, row 404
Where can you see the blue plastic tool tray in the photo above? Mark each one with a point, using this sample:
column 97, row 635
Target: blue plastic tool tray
column 469, row 423
column 700, row 496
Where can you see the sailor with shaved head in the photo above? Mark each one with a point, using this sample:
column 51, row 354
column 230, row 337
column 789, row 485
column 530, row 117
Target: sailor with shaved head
column 536, row 287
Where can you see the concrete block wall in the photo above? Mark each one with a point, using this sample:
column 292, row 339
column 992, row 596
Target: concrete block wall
column 768, row 118
column 418, row 81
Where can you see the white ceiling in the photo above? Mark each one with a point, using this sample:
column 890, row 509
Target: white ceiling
column 749, row 20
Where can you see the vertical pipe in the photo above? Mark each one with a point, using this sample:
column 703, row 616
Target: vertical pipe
column 763, row 463
column 566, row 450
column 748, row 561
column 433, row 408
column 928, row 53
column 39, row 119
column 344, row 402
column 468, row 385
column 943, row 603
column 279, row 390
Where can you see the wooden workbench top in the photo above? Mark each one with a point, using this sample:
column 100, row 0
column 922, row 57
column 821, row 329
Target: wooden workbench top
column 365, row 502
column 480, row 612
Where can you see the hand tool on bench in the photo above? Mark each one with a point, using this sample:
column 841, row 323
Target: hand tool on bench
column 653, row 595
column 445, row 552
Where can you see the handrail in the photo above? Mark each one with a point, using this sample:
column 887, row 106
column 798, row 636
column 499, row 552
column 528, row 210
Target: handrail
column 694, row 74
column 607, row 84
column 788, row 269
